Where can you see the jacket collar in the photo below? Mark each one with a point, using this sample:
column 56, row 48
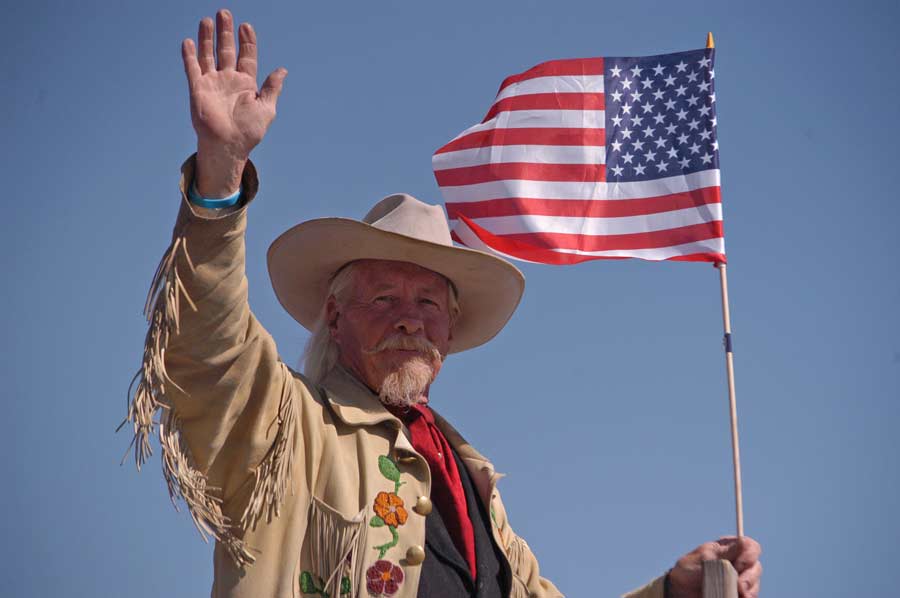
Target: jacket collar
column 356, row 405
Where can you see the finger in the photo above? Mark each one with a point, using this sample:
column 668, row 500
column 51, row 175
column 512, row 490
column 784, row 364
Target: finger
column 205, row 42
column 247, row 59
column 750, row 577
column 743, row 552
column 271, row 88
column 225, row 40
column 189, row 57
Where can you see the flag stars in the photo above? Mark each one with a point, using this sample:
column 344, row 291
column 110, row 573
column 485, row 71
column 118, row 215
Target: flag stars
column 692, row 77
column 648, row 107
column 617, row 170
column 651, row 156
column 704, row 62
column 615, row 71
column 680, row 90
column 693, row 100
column 647, row 83
column 704, row 86
column 670, row 129
column 639, row 169
column 715, row 146
column 626, row 133
column 661, row 166
column 637, row 120
column 659, row 118
column 670, row 81
column 636, row 71
column 660, row 142
column 616, row 146
column 638, row 146
column 681, row 114
column 658, row 70
column 648, row 131
column 706, row 158
column 616, row 96
column 672, row 153
column 705, row 134
column 683, row 139
column 658, row 94
column 670, row 105
column 617, row 121
column 693, row 124
column 684, row 162
column 681, row 66
column 704, row 110
column 626, row 83
column 712, row 98
column 635, row 97
column 695, row 149
column 627, row 158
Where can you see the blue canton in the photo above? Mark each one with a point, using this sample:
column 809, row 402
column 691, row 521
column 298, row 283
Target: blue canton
column 660, row 115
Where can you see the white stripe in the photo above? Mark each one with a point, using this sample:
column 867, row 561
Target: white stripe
column 554, row 84
column 716, row 245
column 542, row 119
column 579, row 190
column 622, row 225
column 536, row 154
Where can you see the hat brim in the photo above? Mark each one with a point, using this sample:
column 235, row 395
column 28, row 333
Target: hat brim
column 303, row 259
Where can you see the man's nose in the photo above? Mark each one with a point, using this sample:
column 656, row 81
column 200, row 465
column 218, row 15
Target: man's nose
column 409, row 325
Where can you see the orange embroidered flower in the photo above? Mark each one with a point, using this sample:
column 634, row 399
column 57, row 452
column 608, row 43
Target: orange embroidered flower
column 389, row 507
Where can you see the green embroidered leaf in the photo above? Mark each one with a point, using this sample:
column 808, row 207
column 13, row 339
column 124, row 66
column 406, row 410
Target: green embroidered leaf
column 388, row 468
column 345, row 585
column 494, row 516
column 307, row 585
column 376, row 521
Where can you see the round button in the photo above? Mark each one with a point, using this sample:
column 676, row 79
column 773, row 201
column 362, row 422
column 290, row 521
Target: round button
column 423, row 505
column 415, row 555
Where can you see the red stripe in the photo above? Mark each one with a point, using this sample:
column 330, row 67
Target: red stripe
column 555, row 68
column 526, row 136
column 527, row 251
column 585, row 208
column 548, row 101
column 651, row 240
column 523, row 171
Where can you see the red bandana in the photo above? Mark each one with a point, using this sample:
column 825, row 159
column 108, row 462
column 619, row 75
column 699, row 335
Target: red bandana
column 446, row 486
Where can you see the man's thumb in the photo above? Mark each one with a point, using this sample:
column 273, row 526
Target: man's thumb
column 271, row 87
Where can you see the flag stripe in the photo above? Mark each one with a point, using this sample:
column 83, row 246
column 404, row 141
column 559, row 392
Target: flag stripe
column 475, row 175
column 538, row 119
column 531, row 224
column 471, row 235
column 556, row 68
column 548, row 101
column 587, row 190
column 588, row 208
column 526, row 136
column 662, row 238
column 541, row 154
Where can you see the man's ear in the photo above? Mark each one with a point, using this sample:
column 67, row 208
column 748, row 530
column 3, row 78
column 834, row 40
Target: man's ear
column 331, row 315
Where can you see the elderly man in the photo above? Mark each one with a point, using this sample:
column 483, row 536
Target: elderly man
column 342, row 482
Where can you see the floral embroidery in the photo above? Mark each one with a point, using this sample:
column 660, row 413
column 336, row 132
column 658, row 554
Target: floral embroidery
column 383, row 579
column 309, row 586
column 389, row 507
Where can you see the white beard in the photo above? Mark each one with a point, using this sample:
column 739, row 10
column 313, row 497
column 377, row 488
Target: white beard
column 406, row 386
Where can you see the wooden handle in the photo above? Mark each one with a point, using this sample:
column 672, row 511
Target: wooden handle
column 719, row 580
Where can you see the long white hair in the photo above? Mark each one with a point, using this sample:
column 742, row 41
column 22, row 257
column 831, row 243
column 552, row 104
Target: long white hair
column 321, row 353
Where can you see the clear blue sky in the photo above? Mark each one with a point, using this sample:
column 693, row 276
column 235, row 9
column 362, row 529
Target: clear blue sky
column 604, row 400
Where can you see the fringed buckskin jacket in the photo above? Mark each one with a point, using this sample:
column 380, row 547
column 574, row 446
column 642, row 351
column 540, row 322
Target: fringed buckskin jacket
column 301, row 485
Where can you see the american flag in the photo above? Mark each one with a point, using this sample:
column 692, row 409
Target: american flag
column 594, row 158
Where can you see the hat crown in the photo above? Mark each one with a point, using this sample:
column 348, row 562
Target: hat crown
column 403, row 214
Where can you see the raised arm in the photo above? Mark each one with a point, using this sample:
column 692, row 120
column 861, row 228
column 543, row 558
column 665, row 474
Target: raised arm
column 209, row 368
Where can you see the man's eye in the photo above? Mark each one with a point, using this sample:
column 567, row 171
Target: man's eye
column 428, row 302
column 383, row 299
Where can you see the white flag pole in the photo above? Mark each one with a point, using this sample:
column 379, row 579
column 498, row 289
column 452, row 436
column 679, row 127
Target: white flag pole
column 729, row 367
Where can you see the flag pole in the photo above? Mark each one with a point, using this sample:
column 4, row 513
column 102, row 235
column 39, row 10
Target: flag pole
column 729, row 368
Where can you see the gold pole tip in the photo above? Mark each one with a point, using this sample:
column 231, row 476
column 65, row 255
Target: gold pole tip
column 709, row 40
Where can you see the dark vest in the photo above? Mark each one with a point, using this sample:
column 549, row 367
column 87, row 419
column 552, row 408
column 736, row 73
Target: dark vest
column 445, row 573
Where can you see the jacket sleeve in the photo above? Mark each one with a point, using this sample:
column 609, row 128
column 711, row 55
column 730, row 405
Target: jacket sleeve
column 527, row 581
column 654, row 589
column 227, row 418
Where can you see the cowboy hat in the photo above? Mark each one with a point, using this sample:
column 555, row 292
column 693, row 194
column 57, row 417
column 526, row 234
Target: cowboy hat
column 303, row 260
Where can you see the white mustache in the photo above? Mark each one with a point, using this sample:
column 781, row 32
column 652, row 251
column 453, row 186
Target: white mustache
column 408, row 343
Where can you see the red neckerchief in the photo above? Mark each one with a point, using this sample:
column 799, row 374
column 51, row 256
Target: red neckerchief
column 446, row 486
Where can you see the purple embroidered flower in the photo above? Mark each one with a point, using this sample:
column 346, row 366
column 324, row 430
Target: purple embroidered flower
column 383, row 579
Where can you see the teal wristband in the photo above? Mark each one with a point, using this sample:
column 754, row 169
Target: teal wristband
column 203, row 202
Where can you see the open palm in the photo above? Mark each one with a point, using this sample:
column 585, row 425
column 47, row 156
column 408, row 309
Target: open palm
column 227, row 110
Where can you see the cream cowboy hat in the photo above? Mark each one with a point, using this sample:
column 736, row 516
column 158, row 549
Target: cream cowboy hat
column 304, row 258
